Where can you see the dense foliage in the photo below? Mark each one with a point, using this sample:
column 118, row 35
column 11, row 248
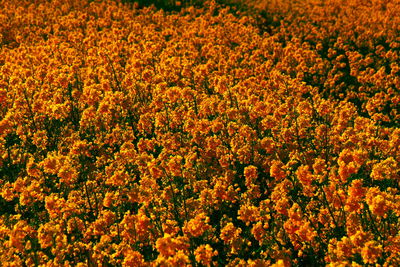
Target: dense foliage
column 133, row 136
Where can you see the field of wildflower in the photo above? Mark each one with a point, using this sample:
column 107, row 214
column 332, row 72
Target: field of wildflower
column 265, row 133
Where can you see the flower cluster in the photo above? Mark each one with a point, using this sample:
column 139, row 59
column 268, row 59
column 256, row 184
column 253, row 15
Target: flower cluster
column 133, row 136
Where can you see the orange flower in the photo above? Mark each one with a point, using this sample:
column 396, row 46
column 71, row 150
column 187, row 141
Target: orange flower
column 251, row 174
column 277, row 170
column 371, row 252
column 197, row 226
column 68, row 174
column 17, row 237
column 46, row 234
column 258, row 232
column 54, row 205
column 50, row 164
column 355, row 194
column 281, row 263
column 379, row 202
column 119, row 178
column 268, row 145
column 169, row 245
column 104, row 105
column 7, row 192
column 204, row 254
column 359, row 238
column 175, row 165
column 350, row 162
column 344, row 248
column 248, row 213
column 304, row 175
column 229, row 233
column 386, row 169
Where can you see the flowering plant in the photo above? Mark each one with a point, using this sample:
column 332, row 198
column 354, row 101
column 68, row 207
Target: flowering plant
column 134, row 136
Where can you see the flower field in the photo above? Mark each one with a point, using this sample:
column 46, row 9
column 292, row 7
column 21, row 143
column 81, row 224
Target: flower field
column 260, row 134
